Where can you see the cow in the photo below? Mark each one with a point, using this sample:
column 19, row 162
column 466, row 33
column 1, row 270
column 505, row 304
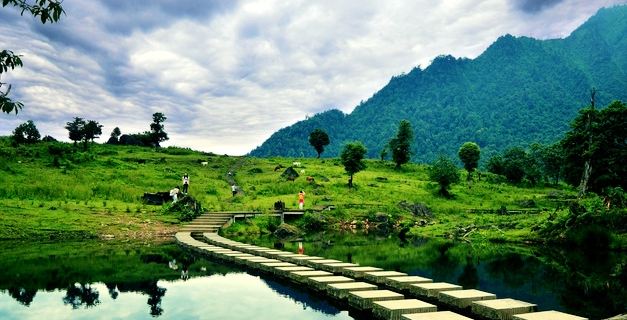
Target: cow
column 296, row 164
column 310, row 179
column 204, row 163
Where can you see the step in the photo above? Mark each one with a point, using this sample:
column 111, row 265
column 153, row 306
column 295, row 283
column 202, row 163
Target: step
column 553, row 315
column 341, row 290
column 501, row 309
column 362, row 300
column 381, row 276
column 432, row 289
column 403, row 282
column 321, row 283
column 394, row 309
column 463, row 298
column 438, row 315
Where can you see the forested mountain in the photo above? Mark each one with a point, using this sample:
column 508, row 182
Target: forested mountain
column 520, row 90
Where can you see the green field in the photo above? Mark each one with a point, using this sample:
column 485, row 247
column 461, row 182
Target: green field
column 97, row 193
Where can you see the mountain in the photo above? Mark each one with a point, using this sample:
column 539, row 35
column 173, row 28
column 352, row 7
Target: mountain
column 519, row 90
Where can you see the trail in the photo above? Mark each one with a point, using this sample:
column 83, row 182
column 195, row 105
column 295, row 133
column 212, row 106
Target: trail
column 229, row 176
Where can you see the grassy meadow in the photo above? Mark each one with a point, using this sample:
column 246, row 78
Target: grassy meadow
column 98, row 193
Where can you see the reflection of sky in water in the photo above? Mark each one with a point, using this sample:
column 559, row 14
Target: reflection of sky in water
column 231, row 296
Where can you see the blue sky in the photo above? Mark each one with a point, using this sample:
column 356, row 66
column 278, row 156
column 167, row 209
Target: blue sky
column 228, row 74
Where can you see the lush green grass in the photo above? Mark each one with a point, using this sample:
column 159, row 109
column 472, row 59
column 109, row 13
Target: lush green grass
column 90, row 194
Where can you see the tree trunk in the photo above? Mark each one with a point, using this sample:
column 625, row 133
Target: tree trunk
column 318, row 155
column 350, row 181
column 583, row 186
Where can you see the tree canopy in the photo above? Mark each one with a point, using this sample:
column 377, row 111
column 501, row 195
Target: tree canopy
column 157, row 132
column 469, row 153
column 319, row 139
column 46, row 11
column 352, row 158
column 444, row 172
column 26, row 133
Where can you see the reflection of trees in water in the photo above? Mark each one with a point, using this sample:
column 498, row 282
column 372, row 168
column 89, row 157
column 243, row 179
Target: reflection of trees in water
column 113, row 290
column 156, row 293
column 514, row 269
column 150, row 288
column 469, row 278
column 302, row 296
column 81, row 294
column 23, row 296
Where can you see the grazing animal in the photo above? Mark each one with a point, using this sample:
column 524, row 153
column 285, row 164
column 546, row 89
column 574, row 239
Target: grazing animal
column 310, row 179
column 296, row 164
column 302, row 171
column 204, row 163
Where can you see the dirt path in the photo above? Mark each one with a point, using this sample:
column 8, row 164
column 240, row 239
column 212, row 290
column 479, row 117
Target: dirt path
column 229, row 176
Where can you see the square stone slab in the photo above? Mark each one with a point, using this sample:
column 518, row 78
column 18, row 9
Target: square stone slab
column 501, row 309
column 543, row 315
column 380, row 276
column 285, row 271
column 320, row 283
column 316, row 263
column 336, row 267
column 393, row 310
column 363, row 299
column 432, row 289
column 358, row 272
column 439, row 315
column 301, row 276
column 463, row 298
column 403, row 282
column 340, row 290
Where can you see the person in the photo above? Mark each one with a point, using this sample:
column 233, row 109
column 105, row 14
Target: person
column 234, row 189
column 174, row 193
column 185, row 183
column 301, row 199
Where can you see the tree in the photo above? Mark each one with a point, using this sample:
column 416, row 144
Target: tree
column 91, row 130
column 514, row 164
column 47, row 11
column 319, row 139
column 352, row 158
column 157, row 133
column 495, row 165
column 115, row 136
column 444, row 172
column 76, row 129
column 26, row 133
column 384, row 153
column 469, row 153
column 401, row 144
column 596, row 143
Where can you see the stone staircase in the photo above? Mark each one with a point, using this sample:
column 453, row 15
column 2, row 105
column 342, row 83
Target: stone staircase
column 208, row 222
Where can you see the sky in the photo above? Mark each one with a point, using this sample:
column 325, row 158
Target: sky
column 227, row 74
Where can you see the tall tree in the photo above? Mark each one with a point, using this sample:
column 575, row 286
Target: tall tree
column 157, row 132
column 444, row 172
column 401, row 144
column 76, row 129
column 26, row 133
column 514, row 164
column 596, row 143
column 352, row 158
column 469, row 153
column 46, row 11
column 319, row 139
column 115, row 136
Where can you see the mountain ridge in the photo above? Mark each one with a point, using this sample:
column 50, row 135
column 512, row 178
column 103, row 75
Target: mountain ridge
column 519, row 90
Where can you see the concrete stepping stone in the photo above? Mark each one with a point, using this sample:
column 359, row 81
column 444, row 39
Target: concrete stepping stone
column 336, row 267
column 380, row 276
column 403, row 282
column 340, row 290
column 320, row 283
column 269, row 266
column 300, row 258
column 432, row 289
column 301, row 276
column 285, row 271
column 358, row 272
column 501, row 309
column 316, row 263
column 463, row 298
column 546, row 315
column 438, row 315
column 362, row 300
column 394, row 309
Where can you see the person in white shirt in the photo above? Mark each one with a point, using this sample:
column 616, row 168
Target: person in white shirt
column 185, row 183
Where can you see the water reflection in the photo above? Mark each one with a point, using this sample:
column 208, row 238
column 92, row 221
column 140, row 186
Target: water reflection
column 590, row 284
column 92, row 281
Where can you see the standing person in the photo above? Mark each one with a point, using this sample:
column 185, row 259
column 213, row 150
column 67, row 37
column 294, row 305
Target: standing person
column 185, row 183
column 174, row 193
column 301, row 199
column 234, row 189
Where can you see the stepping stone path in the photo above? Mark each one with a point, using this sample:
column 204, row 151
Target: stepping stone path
column 400, row 295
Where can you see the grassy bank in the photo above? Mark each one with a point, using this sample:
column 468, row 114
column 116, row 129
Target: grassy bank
column 98, row 193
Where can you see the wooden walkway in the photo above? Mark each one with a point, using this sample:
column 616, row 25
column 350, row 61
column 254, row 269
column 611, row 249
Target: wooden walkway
column 381, row 294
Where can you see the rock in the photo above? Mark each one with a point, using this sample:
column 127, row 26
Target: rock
column 418, row 209
column 285, row 230
column 290, row 174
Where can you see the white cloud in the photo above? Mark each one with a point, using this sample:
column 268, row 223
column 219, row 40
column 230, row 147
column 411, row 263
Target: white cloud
column 229, row 74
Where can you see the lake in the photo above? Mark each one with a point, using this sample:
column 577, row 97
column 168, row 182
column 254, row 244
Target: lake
column 96, row 280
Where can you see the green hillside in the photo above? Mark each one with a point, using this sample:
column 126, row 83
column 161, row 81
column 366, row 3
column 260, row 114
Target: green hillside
column 520, row 90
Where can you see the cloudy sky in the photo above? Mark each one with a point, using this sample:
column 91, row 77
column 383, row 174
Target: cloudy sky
column 227, row 73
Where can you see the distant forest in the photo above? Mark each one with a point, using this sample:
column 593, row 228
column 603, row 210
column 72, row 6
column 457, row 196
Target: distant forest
column 519, row 91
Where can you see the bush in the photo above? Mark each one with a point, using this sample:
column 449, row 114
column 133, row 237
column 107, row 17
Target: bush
column 313, row 222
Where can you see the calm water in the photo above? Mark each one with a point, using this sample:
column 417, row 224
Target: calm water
column 94, row 280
